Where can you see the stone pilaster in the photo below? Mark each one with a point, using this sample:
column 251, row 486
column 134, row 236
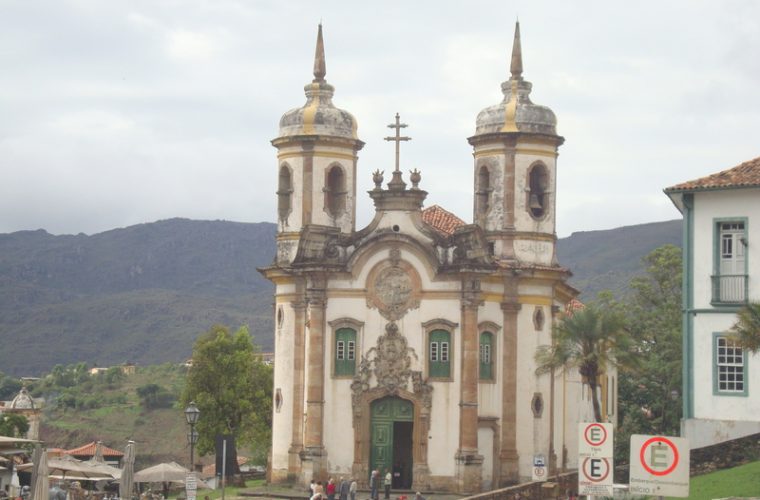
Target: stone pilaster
column 508, row 457
column 469, row 463
column 296, row 442
column 314, row 455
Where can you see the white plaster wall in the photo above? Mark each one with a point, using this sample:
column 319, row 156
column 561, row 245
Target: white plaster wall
column 721, row 407
column 704, row 432
column 282, row 421
column 523, row 219
column 708, row 206
column 485, row 449
column 724, row 204
column 319, row 214
column 496, row 166
column 532, row 432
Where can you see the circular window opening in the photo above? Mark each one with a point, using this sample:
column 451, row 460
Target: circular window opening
column 396, row 229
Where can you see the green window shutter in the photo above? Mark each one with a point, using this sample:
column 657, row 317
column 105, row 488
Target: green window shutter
column 345, row 351
column 439, row 359
column 486, row 356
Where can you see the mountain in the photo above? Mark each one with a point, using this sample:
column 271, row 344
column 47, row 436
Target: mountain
column 140, row 294
column 144, row 293
column 608, row 259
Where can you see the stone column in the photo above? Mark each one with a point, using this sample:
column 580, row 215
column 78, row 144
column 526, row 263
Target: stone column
column 469, row 463
column 314, row 455
column 296, row 443
column 508, row 457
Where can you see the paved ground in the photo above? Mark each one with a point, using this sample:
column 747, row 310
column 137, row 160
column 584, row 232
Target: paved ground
column 286, row 493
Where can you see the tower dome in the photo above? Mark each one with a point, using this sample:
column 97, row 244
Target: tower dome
column 318, row 116
column 516, row 112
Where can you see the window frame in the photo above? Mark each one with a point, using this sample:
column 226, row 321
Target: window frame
column 717, row 391
column 350, row 346
column 491, row 328
column 715, row 289
column 439, row 327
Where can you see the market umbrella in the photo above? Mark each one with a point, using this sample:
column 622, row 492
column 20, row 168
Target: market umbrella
column 68, row 467
column 126, row 483
column 40, row 482
column 170, row 472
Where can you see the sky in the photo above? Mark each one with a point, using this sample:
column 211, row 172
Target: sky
column 114, row 113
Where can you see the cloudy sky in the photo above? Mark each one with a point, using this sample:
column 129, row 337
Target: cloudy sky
column 114, row 113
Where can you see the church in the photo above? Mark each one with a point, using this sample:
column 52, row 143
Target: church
column 408, row 345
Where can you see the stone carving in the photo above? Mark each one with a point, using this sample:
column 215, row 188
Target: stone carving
column 393, row 288
column 377, row 178
column 415, row 176
column 390, row 362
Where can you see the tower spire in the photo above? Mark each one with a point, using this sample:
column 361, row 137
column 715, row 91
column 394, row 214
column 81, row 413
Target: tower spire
column 516, row 68
column 319, row 58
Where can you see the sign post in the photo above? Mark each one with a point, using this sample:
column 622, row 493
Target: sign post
column 539, row 468
column 659, row 466
column 595, row 464
column 191, row 486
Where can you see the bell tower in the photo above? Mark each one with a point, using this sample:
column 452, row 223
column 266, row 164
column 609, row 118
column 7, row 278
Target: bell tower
column 515, row 149
column 316, row 164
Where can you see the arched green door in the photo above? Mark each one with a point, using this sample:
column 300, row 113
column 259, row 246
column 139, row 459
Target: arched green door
column 391, row 439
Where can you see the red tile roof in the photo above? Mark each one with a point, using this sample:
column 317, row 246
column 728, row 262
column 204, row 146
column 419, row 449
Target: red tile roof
column 441, row 219
column 745, row 175
column 88, row 450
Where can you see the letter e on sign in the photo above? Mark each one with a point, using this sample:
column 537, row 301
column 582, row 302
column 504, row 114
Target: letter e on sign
column 659, row 465
column 594, row 440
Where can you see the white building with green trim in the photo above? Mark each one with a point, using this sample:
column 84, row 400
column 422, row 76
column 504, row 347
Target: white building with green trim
column 721, row 249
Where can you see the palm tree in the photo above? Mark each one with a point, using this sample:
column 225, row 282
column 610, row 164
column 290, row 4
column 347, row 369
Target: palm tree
column 590, row 339
column 746, row 331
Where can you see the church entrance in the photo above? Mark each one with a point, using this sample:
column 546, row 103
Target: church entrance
column 392, row 423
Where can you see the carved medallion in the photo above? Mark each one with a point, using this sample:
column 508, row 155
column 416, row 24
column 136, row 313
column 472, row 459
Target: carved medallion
column 393, row 287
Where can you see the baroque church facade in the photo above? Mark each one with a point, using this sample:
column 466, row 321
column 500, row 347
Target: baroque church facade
column 408, row 345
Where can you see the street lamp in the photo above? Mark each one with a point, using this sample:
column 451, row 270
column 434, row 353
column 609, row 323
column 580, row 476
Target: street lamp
column 191, row 415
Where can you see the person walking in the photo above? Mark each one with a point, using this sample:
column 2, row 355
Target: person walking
column 387, row 484
column 330, row 489
column 352, row 489
column 343, row 489
column 374, row 485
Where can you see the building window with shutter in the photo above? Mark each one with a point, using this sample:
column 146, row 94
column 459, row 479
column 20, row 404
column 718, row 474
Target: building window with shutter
column 486, row 356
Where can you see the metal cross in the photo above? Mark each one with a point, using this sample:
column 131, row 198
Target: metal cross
column 398, row 138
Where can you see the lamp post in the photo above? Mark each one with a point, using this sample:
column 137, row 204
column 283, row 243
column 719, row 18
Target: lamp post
column 191, row 415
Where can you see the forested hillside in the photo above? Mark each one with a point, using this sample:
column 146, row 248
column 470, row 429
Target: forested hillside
column 145, row 292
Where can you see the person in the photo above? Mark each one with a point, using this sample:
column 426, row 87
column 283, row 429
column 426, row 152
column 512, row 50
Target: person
column 312, row 485
column 343, row 489
column 374, row 478
column 418, row 496
column 330, row 489
column 352, row 489
column 387, row 484
column 319, row 489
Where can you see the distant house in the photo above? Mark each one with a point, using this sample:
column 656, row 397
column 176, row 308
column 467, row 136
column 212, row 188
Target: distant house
column 721, row 227
column 88, row 451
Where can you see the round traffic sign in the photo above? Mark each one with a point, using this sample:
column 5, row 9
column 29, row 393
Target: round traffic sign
column 591, row 430
column 594, row 478
column 660, row 440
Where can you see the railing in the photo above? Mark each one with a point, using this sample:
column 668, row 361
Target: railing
column 729, row 289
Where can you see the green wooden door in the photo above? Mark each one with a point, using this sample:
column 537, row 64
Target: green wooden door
column 385, row 412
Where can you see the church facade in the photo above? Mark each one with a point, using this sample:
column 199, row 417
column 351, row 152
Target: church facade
column 408, row 345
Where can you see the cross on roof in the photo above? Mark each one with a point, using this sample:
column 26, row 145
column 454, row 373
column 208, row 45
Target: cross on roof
column 398, row 137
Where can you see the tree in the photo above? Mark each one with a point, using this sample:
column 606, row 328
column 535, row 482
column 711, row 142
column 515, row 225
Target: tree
column 590, row 339
column 9, row 387
column 13, row 425
column 746, row 330
column 232, row 388
column 650, row 392
column 154, row 396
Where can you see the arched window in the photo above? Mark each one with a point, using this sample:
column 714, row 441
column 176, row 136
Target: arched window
column 538, row 198
column 335, row 191
column 483, row 191
column 284, row 193
column 345, row 351
column 486, row 356
column 439, row 354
